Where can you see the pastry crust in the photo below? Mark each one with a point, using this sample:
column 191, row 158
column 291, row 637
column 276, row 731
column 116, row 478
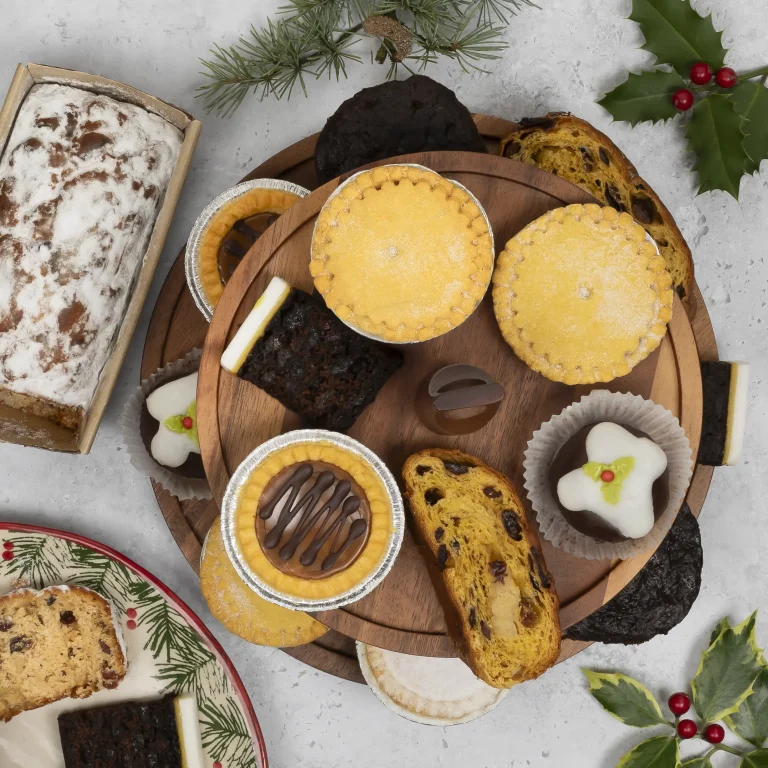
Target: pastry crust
column 577, row 152
column 398, row 276
column 380, row 524
column 253, row 202
column 241, row 610
column 581, row 296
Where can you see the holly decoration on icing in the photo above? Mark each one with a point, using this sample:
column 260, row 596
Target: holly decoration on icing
column 185, row 424
column 731, row 684
column 611, row 476
column 726, row 112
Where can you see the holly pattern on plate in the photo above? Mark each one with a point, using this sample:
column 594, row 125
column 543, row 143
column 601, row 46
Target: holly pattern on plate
column 181, row 659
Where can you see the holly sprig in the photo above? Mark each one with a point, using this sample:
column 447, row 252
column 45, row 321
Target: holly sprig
column 730, row 685
column 727, row 111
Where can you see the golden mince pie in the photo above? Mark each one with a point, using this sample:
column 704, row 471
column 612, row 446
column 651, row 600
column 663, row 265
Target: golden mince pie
column 401, row 253
column 581, row 295
column 232, row 229
column 313, row 521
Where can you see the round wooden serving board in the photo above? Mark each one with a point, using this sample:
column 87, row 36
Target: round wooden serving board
column 403, row 613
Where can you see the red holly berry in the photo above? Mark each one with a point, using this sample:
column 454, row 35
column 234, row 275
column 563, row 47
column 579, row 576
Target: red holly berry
column 683, row 99
column 187, row 422
column 701, row 73
column 679, row 703
column 607, row 476
column 8, row 545
column 726, row 77
column 686, row 729
column 7, row 554
column 131, row 613
column 131, row 624
column 714, row 733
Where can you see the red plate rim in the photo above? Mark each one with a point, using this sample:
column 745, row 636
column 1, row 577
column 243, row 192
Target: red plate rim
column 177, row 603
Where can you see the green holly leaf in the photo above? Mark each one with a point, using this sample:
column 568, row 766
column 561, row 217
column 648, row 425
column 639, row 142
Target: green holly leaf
column 723, row 624
column 658, row 752
column 757, row 759
column 624, row 698
column 677, row 35
column 647, row 96
column 698, row 762
column 750, row 99
column 727, row 672
column 715, row 135
column 750, row 721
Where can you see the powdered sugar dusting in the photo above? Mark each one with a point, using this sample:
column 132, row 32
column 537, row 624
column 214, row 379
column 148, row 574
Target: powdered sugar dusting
column 81, row 182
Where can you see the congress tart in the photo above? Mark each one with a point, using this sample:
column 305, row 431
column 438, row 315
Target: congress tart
column 581, row 295
column 402, row 254
column 295, row 349
column 312, row 517
column 227, row 228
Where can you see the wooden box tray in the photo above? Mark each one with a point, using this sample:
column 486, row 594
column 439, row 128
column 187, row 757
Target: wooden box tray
column 403, row 613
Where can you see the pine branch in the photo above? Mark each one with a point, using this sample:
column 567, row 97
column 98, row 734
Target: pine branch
column 102, row 574
column 198, row 672
column 38, row 560
column 225, row 735
column 169, row 634
column 313, row 37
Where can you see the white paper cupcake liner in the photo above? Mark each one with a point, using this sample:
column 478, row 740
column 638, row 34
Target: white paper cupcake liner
column 130, row 422
column 627, row 409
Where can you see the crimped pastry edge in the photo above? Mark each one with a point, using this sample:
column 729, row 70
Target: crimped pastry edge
column 401, row 334
column 503, row 307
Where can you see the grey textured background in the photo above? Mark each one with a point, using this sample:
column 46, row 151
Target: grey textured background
column 560, row 58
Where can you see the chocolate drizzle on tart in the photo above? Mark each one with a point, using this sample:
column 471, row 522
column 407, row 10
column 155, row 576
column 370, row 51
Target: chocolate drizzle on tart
column 313, row 520
column 244, row 233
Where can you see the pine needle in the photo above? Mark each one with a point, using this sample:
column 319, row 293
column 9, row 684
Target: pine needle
column 311, row 38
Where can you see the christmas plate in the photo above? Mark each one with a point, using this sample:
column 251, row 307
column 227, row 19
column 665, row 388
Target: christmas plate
column 169, row 650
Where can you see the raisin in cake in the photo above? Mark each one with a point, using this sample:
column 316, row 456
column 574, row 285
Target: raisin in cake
column 576, row 151
column 164, row 733
column 56, row 643
column 499, row 597
column 82, row 179
column 295, row 349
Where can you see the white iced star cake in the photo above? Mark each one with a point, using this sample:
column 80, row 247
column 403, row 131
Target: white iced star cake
column 616, row 483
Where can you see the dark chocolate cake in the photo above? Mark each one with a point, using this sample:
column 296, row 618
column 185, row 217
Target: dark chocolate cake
column 316, row 366
column 724, row 387
column 658, row 598
column 128, row 734
column 394, row 118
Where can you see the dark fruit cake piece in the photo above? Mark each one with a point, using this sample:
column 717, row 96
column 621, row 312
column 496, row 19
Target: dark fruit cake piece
column 164, row 733
column 395, row 118
column 725, row 412
column 295, row 349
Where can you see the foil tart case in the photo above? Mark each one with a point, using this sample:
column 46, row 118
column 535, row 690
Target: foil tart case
column 240, row 478
column 192, row 254
column 460, row 186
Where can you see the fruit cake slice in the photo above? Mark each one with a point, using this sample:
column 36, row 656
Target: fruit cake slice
column 492, row 574
column 576, row 151
column 58, row 642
